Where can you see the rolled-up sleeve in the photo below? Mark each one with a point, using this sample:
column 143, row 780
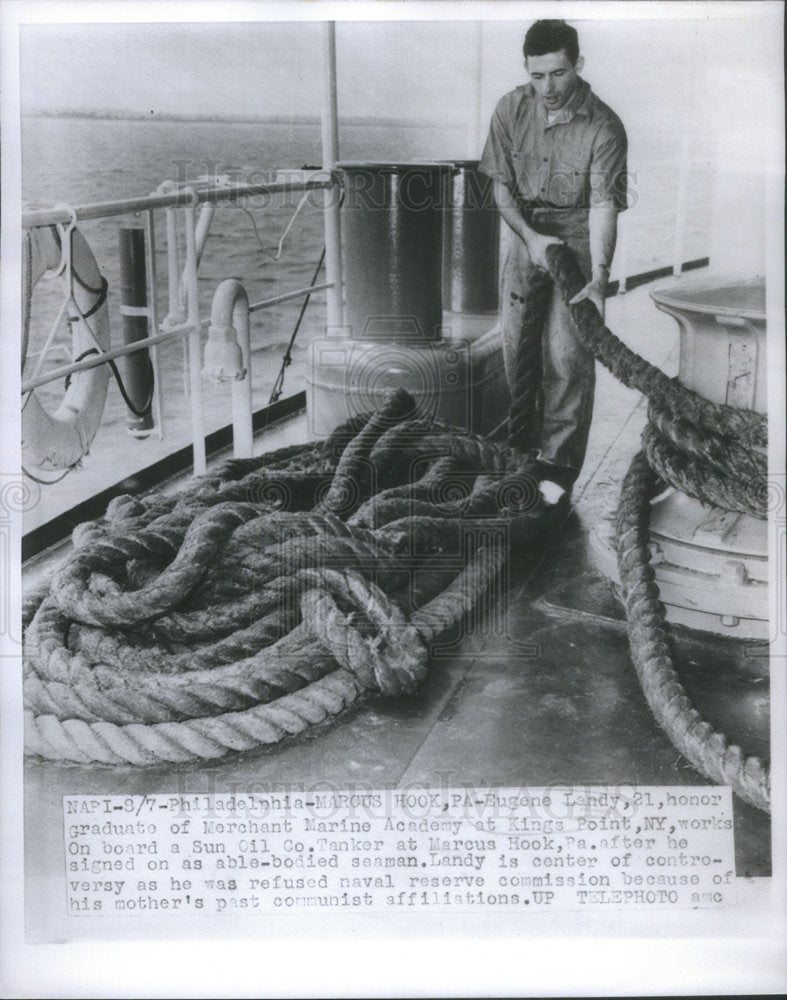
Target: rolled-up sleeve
column 496, row 161
column 609, row 168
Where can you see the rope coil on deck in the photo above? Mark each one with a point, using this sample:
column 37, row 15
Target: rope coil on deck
column 272, row 594
column 269, row 596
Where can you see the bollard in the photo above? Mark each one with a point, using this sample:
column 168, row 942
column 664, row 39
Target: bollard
column 711, row 565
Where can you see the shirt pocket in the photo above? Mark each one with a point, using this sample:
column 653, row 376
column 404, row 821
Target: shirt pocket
column 525, row 167
column 568, row 182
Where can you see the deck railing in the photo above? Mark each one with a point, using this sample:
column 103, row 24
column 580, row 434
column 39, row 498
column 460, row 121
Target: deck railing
column 183, row 320
column 181, row 196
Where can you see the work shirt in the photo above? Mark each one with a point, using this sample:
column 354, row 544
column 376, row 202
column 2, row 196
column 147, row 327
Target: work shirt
column 573, row 162
column 556, row 171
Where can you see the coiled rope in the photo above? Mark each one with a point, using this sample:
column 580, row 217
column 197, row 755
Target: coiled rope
column 710, row 451
column 269, row 596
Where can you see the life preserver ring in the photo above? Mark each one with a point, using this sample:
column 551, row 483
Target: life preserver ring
column 59, row 440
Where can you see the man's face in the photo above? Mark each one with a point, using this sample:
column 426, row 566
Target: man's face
column 553, row 77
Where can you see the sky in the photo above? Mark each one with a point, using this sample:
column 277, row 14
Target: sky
column 703, row 77
column 403, row 69
column 255, row 69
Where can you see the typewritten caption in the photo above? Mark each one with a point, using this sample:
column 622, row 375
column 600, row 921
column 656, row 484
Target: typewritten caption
column 563, row 848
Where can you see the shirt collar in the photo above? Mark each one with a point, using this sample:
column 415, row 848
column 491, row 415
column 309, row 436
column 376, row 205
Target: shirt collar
column 578, row 105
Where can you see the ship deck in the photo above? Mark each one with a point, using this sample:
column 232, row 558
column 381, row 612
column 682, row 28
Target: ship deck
column 551, row 697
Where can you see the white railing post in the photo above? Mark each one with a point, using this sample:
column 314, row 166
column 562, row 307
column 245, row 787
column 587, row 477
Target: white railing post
column 152, row 279
column 330, row 155
column 194, row 340
column 228, row 358
column 242, row 406
column 175, row 312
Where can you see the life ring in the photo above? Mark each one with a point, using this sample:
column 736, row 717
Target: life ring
column 59, row 440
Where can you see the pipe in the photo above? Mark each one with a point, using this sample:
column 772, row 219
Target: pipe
column 206, row 213
column 297, row 293
column 330, row 155
column 152, row 279
column 137, row 369
column 194, row 342
column 201, row 234
column 175, row 313
column 228, row 357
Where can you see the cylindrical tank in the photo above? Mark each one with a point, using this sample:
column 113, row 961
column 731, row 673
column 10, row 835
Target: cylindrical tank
column 392, row 223
column 460, row 381
column 471, row 239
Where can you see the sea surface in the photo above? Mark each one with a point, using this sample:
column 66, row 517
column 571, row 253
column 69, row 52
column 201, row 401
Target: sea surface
column 83, row 160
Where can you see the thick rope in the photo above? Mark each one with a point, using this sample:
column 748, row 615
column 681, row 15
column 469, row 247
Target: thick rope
column 711, row 452
column 748, row 428
column 524, row 417
column 267, row 597
column 270, row 595
column 708, row 750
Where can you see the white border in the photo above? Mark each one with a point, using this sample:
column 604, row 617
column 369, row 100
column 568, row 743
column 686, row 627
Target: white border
column 743, row 953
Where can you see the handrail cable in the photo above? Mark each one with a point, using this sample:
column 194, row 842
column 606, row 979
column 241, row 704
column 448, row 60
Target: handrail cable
column 287, row 359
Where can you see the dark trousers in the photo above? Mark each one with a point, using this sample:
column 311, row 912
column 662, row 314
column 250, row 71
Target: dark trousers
column 568, row 373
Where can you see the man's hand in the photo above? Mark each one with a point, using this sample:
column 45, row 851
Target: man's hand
column 595, row 291
column 537, row 248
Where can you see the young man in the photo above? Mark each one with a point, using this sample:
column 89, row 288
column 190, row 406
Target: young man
column 557, row 158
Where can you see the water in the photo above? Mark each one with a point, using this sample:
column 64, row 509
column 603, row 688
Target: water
column 88, row 160
column 79, row 161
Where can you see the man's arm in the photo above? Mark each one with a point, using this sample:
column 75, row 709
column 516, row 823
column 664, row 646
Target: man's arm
column 536, row 243
column 603, row 225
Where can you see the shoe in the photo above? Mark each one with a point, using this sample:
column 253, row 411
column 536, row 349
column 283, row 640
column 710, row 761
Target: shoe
column 556, row 500
column 560, row 475
column 551, row 492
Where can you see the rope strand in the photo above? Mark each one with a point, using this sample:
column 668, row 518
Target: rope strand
column 272, row 594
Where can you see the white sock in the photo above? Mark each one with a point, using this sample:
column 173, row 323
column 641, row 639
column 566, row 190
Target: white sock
column 551, row 492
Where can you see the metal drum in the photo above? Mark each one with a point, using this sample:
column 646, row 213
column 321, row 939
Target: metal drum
column 460, row 381
column 392, row 222
column 471, row 239
column 711, row 565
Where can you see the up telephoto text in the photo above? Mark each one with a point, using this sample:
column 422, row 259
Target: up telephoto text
column 436, row 851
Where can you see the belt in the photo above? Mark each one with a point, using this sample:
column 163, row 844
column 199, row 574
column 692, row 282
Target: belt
column 543, row 206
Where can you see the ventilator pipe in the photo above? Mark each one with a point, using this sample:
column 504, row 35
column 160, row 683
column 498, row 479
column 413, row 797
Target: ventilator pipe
column 204, row 221
column 228, row 357
column 201, row 234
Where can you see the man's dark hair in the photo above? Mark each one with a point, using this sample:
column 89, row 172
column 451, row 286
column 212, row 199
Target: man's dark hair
column 545, row 37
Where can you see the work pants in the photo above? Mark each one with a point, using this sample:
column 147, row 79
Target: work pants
column 567, row 368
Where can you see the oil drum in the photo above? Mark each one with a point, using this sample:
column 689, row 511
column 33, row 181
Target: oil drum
column 471, row 242
column 392, row 224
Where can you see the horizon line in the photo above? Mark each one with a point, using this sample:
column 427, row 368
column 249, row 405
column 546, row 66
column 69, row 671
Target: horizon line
column 278, row 119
